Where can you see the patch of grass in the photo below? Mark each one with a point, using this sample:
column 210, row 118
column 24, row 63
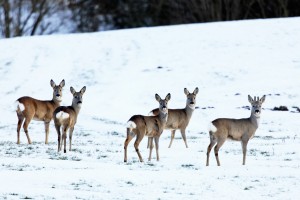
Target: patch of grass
column 265, row 153
column 267, row 137
column 62, row 158
column 29, row 148
column 248, row 188
column 77, row 150
column 102, row 156
column 129, row 183
column 75, row 158
column 113, row 133
column 27, row 197
column 187, row 165
column 280, row 108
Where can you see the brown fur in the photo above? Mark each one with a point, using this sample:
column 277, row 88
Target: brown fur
column 69, row 121
column 236, row 129
column 178, row 119
column 38, row 110
column 151, row 126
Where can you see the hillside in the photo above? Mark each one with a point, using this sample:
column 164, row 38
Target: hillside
column 122, row 71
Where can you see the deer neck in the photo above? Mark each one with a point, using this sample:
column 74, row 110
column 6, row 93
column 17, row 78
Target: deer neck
column 254, row 120
column 163, row 117
column 56, row 102
column 76, row 107
column 189, row 111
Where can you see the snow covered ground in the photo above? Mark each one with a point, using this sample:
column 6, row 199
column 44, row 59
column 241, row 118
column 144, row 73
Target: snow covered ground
column 122, row 71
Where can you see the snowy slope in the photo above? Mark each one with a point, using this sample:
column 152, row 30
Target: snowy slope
column 122, row 71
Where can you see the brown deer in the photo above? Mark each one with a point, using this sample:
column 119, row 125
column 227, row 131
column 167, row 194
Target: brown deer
column 65, row 117
column 179, row 118
column 236, row 129
column 151, row 126
column 29, row 108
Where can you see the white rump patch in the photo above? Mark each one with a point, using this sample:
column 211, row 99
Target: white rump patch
column 62, row 115
column 212, row 127
column 20, row 106
column 131, row 124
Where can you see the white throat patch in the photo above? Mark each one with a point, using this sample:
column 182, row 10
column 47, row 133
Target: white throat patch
column 192, row 107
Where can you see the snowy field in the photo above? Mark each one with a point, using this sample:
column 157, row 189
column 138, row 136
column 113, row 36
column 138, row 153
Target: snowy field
column 122, row 71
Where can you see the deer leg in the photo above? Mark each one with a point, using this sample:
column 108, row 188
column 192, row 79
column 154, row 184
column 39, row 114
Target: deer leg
column 46, row 131
column 184, row 137
column 172, row 137
column 136, row 145
column 210, row 146
column 156, row 139
column 244, row 147
column 20, row 121
column 70, row 137
column 61, row 139
column 25, row 126
column 57, row 127
column 217, row 148
column 150, row 145
column 64, row 137
column 128, row 139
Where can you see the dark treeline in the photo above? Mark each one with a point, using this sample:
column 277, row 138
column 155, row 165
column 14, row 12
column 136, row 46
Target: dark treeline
column 118, row 14
column 96, row 15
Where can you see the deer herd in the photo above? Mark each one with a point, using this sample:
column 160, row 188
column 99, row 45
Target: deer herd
column 152, row 126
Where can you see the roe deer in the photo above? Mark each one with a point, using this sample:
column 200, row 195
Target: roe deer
column 151, row 126
column 29, row 108
column 66, row 117
column 179, row 118
column 236, row 129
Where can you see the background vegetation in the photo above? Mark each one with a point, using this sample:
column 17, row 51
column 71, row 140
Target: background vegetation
column 37, row 17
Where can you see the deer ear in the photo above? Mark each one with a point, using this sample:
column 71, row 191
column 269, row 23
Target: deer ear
column 262, row 99
column 250, row 99
column 82, row 91
column 186, row 92
column 168, row 97
column 196, row 91
column 62, row 83
column 72, row 90
column 52, row 83
column 157, row 97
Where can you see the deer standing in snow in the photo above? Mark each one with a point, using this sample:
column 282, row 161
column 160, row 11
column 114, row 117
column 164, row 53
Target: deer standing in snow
column 65, row 117
column 179, row 118
column 29, row 108
column 151, row 126
column 236, row 129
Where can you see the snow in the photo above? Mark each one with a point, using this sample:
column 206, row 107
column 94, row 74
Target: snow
column 122, row 71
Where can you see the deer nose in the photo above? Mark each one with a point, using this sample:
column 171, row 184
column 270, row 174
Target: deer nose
column 257, row 111
column 79, row 102
column 58, row 95
column 164, row 107
column 192, row 103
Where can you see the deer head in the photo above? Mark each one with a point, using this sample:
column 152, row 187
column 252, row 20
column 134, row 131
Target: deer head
column 256, row 105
